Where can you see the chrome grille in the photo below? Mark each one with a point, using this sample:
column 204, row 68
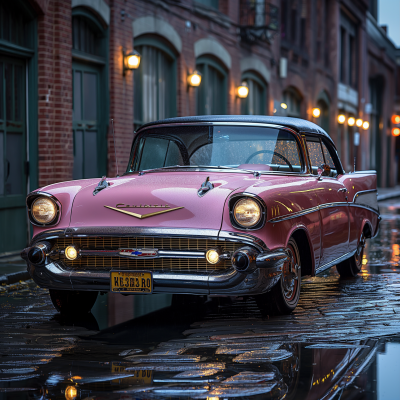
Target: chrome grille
column 152, row 264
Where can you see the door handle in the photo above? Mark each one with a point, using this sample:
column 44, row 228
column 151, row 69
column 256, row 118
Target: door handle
column 342, row 190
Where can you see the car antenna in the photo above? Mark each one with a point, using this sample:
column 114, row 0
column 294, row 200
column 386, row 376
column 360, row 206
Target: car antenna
column 115, row 150
column 354, row 164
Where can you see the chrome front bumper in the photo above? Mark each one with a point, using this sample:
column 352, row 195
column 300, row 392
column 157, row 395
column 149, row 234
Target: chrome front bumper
column 266, row 271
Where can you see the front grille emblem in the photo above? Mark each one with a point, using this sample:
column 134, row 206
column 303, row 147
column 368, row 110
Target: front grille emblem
column 139, row 253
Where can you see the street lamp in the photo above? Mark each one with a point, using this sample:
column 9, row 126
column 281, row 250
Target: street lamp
column 341, row 118
column 365, row 125
column 359, row 122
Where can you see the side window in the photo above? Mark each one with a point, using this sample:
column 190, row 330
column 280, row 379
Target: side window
column 158, row 153
column 329, row 160
column 315, row 152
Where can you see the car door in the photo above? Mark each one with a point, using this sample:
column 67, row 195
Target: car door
column 332, row 202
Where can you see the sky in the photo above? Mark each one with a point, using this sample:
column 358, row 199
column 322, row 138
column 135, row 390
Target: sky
column 389, row 14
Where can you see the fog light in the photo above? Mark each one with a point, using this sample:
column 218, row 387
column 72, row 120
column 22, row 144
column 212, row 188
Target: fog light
column 212, row 256
column 71, row 392
column 71, row 253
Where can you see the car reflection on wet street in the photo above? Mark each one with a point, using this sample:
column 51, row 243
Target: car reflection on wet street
column 342, row 341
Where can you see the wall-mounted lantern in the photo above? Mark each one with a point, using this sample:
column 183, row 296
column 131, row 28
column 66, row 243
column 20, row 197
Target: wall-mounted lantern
column 284, row 106
column 365, row 125
column 396, row 119
column 131, row 60
column 194, row 79
column 359, row 122
column 396, row 131
column 351, row 121
column 316, row 112
column 341, row 118
column 242, row 91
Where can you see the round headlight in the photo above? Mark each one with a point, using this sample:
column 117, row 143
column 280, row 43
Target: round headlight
column 43, row 210
column 247, row 212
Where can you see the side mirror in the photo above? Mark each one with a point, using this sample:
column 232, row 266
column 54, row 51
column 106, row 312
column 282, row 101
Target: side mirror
column 323, row 170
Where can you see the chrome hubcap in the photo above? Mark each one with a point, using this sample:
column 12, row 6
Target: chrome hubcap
column 290, row 277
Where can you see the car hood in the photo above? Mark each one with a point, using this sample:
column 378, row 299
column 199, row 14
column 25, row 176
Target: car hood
column 165, row 199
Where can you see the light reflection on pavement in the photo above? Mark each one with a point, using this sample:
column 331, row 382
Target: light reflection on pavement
column 328, row 348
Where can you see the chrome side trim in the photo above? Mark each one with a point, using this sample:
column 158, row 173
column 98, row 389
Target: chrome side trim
column 294, row 215
column 334, row 262
column 363, row 206
column 335, row 204
column 364, row 191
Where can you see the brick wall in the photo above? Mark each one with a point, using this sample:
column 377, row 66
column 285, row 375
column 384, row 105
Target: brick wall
column 55, row 93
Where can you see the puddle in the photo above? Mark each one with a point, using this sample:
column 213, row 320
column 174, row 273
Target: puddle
column 343, row 341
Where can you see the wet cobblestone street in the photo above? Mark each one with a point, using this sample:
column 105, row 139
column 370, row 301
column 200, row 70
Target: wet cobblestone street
column 342, row 341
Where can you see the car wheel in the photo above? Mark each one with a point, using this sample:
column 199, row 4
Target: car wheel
column 352, row 266
column 73, row 301
column 284, row 296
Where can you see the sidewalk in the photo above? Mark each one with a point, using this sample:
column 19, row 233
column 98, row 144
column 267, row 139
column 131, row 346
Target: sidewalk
column 12, row 270
column 388, row 193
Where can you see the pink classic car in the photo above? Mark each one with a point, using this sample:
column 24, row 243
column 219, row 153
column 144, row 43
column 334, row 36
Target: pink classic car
column 208, row 205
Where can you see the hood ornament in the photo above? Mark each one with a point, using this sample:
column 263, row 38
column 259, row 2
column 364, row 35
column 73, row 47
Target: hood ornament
column 205, row 187
column 101, row 185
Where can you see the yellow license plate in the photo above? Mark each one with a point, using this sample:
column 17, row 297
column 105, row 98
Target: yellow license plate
column 131, row 282
column 141, row 377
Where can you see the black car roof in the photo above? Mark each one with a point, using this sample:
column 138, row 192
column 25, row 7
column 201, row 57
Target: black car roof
column 300, row 125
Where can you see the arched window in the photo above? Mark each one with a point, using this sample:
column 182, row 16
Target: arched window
column 211, row 94
column 90, row 111
column 254, row 103
column 323, row 119
column 293, row 100
column 154, row 81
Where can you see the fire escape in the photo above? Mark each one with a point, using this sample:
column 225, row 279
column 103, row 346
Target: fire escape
column 259, row 21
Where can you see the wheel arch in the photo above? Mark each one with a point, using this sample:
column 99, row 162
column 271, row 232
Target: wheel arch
column 301, row 236
column 367, row 229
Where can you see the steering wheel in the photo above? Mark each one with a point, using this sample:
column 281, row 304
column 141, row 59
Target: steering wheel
column 274, row 153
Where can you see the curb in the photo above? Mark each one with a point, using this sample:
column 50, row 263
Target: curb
column 14, row 278
column 390, row 195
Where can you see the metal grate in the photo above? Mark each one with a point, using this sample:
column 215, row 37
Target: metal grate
column 155, row 264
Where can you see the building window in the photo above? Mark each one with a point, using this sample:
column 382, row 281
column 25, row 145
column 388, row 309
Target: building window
column 154, row 82
column 348, row 51
column 254, row 103
column 211, row 95
column 292, row 99
column 86, row 37
column 294, row 23
column 209, row 3
column 323, row 29
column 90, row 113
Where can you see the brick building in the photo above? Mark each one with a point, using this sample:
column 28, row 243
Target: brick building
column 62, row 79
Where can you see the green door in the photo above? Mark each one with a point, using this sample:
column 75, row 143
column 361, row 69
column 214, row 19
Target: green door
column 13, row 179
column 87, row 129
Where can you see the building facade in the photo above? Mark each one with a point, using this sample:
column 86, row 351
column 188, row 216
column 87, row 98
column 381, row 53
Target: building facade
column 63, row 80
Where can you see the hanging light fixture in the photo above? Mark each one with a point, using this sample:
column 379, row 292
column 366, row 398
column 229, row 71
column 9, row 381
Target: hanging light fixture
column 359, row 122
column 365, row 125
column 351, row 121
column 341, row 118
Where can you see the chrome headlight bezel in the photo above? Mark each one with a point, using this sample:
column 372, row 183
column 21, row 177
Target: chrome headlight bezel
column 263, row 209
column 32, row 198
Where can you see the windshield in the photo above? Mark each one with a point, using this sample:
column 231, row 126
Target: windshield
column 243, row 147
